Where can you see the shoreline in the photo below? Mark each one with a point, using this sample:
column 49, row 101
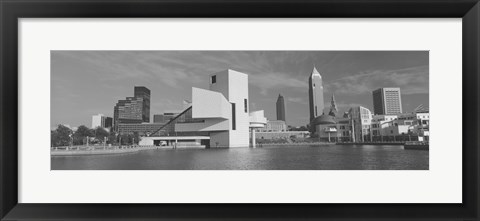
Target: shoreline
column 293, row 144
column 99, row 151
column 134, row 149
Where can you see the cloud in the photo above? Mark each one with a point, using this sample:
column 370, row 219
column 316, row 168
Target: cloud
column 412, row 80
column 267, row 81
column 299, row 100
column 124, row 65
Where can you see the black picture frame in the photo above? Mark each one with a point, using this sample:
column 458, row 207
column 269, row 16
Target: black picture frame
column 12, row 10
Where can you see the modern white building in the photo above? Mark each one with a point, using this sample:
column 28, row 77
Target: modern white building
column 223, row 110
column 361, row 123
column 257, row 120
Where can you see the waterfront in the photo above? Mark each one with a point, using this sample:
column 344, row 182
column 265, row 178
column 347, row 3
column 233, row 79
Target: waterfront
column 326, row 157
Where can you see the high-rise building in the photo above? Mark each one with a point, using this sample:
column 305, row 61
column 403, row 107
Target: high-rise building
column 133, row 110
column 280, row 108
column 108, row 122
column 128, row 111
column 101, row 121
column 144, row 93
column 387, row 101
column 315, row 93
column 98, row 120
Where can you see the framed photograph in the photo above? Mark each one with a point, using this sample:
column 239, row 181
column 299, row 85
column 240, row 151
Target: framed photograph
column 230, row 110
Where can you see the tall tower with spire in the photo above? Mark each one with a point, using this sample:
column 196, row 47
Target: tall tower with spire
column 315, row 94
column 333, row 107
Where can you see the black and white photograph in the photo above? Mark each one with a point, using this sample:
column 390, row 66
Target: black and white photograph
column 239, row 110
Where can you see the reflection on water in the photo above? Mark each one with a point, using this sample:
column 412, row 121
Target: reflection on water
column 332, row 157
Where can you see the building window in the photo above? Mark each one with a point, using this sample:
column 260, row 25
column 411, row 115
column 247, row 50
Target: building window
column 316, row 113
column 234, row 116
column 245, row 105
column 214, row 79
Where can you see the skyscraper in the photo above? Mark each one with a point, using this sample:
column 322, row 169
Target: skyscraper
column 387, row 101
column 129, row 110
column 144, row 93
column 315, row 93
column 280, row 108
column 98, row 120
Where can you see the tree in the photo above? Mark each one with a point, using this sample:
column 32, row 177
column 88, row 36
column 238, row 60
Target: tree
column 79, row 137
column 100, row 134
column 61, row 136
column 112, row 138
column 136, row 136
column 126, row 139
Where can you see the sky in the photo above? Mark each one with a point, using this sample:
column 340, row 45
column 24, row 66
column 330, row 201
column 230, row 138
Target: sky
column 86, row 83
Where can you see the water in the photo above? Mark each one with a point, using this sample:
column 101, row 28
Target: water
column 329, row 157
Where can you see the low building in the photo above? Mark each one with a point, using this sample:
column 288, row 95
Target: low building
column 274, row 126
column 380, row 122
column 401, row 127
column 326, row 128
column 143, row 129
column 282, row 135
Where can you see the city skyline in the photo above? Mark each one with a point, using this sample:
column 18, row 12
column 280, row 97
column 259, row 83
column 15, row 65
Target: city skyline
column 110, row 76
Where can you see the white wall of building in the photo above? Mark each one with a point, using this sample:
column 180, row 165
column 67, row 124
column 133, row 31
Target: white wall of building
column 214, row 107
column 209, row 125
column 209, row 104
column 98, row 121
column 234, row 86
column 219, row 139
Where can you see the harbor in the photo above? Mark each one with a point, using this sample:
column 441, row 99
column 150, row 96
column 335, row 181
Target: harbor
column 274, row 157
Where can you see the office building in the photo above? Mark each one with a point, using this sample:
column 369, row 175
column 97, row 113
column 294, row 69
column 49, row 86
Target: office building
column 101, row 121
column 387, row 101
column 133, row 110
column 158, row 118
column 281, row 108
column 143, row 129
column 128, row 111
column 274, row 126
column 144, row 93
column 165, row 117
column 315, row 94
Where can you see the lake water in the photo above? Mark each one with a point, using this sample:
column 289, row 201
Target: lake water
column 327, row 157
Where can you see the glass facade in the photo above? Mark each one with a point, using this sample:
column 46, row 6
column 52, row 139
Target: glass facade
column 144, row 93
column 387, row 101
